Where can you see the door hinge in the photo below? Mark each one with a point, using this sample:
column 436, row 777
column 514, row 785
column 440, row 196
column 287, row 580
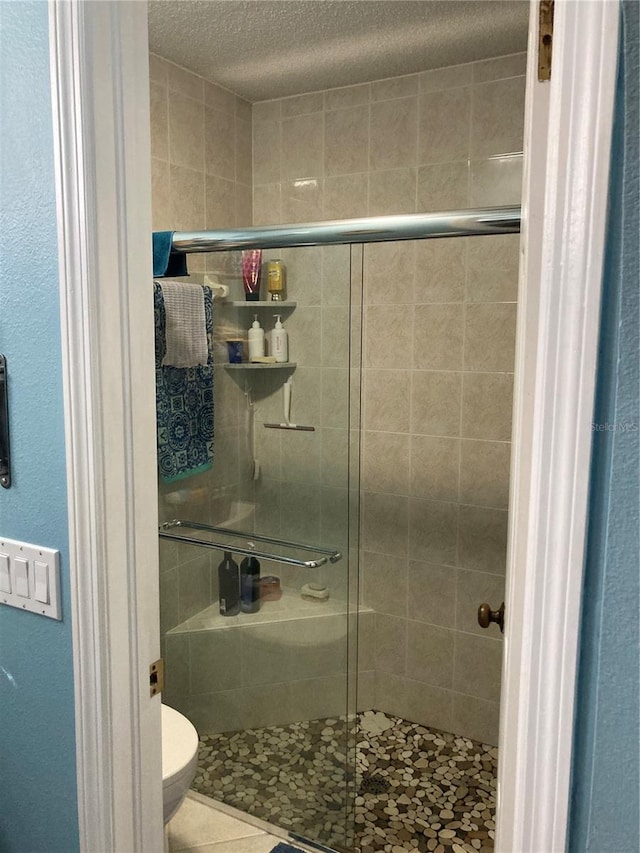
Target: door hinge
column 156, row 677
column 545, row 39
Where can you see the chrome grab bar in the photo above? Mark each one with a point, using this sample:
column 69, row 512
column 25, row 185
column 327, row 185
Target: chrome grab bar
column 328, row 554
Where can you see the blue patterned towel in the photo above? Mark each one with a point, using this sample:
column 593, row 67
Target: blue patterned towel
column 184, row 403
column 286, row 848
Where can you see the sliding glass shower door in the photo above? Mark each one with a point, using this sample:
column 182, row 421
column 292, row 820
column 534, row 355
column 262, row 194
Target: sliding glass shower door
column 272, row 692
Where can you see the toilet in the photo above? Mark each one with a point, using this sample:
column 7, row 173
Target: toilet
column 179, row 759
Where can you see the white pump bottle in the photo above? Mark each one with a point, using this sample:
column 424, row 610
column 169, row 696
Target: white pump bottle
column 256, row 340
column 279, row 341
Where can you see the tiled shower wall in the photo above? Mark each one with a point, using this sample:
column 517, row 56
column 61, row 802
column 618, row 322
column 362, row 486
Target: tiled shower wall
column 438, row 359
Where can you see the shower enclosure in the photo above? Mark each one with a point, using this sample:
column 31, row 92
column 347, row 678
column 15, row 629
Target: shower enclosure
column 298, row 705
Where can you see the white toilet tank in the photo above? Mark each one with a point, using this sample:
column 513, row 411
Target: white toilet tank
column 179, row 759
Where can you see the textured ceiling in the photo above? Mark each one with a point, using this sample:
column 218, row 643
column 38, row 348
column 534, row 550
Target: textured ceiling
column 263, row 49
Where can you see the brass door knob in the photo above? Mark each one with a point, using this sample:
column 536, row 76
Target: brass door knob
column 486, row 616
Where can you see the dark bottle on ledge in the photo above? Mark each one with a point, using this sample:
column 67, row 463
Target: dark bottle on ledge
column 229, row 586
column 250, row 585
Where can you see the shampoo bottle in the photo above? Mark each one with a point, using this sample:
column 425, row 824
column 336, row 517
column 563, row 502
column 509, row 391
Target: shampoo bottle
column 256, row 340
column 250, row 585
column 229, row 586
column 279, row 341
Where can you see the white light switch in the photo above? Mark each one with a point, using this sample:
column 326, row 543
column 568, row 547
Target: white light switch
column 21, row 576
column 30, row 578
column 5, row 577
column 41, row 582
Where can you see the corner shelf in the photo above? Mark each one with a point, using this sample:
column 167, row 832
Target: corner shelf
column 262, row 304
column 249, row 366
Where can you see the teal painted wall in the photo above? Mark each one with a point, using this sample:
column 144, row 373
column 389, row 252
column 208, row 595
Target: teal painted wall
column 606, row 790
column 38, row 810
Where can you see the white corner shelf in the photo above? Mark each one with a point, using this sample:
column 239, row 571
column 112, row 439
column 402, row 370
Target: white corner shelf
column 250, row 366
column 262, row 304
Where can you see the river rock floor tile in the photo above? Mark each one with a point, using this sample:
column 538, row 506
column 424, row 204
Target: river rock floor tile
column 379, row 783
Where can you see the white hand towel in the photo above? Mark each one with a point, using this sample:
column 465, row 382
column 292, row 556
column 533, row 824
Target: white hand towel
column 186, row 331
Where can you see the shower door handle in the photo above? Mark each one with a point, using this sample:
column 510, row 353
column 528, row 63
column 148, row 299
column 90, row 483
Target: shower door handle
column 5, row 454
column 486, row 616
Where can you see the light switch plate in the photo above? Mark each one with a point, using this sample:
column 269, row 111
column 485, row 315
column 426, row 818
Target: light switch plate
column 19, row 555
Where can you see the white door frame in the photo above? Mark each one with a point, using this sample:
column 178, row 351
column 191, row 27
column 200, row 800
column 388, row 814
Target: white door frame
column 102, row 151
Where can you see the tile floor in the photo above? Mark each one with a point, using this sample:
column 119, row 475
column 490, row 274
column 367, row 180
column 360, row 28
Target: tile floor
column 414, row 788
column 200, row 827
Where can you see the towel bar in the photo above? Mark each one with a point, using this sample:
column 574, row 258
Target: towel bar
column 324, row 554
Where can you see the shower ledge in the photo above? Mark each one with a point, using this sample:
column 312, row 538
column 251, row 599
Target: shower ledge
column 291, row 607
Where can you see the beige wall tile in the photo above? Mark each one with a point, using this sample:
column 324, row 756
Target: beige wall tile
column 301, row 454
column 504, row 66
column 158, row 69
column 433, row 531
column 490, row 330
column 483, row 539
column 161, row 195
column 390, row 693
column 477, row 666
column 395, row 87
column 267, row 205
column 184, row 82
column 186, row 132
column 300, row 511
column 443, row 139
column 194, row 586
column 477, row 718
column 159, row 122
column 496, row 182
column 391, row 644
column 322, row 650
column 347, row 96
column 346, row 141
column 487, row 401
column 387, row 397
column 219, row 98
column 385, row 462
column 302, row 200
column 446, row 78
column 431, row 594
column 244, row 206
column 302, row 147
column 389, row 270
column 435, row 466
column 220, row 144
column 186, row 200
column 302, row 104
column 392, row 129
column 428, row 705
column 266, row 111
column 484, row 473
column 438, row 336
column 177, row 670
column 214, row 660
column 315, row 698
column 388, row 334
column 385, row 523
column 392, row 192
column 220, row 202
column 492, row 264
column 217, row 712
column 384, row 581
column 441, row 270
column 430, row 654
column 243, row 109
column 267, row 152
column 335, row 397
column 473, row 589
column 444, row 186
column 497, row 117
column 169, row 601
column 345, row 196
column 435, row 403
column 305, row 336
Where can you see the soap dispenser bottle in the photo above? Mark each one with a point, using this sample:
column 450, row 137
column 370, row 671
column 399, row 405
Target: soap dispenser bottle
column 250, row 585
column 256, row 340
column 229, row 586
column 279, row 341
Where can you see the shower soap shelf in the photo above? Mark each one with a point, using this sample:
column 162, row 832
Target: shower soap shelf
column 247, row 365
column 263, row 303
column 319, row 555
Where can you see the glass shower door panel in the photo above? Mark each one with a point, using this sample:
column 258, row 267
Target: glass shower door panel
column 270, row 691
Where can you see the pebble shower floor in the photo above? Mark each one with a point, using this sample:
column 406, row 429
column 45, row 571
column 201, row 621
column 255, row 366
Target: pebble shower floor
column 416, row 788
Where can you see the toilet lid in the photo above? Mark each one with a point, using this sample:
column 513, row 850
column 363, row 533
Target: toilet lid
column 179, row 743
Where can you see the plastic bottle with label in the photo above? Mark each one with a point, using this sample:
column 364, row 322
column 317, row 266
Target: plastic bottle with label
column 256, row 340
column 279, row 341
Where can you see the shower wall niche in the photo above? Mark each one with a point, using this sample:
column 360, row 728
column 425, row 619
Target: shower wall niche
column 439, row 321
